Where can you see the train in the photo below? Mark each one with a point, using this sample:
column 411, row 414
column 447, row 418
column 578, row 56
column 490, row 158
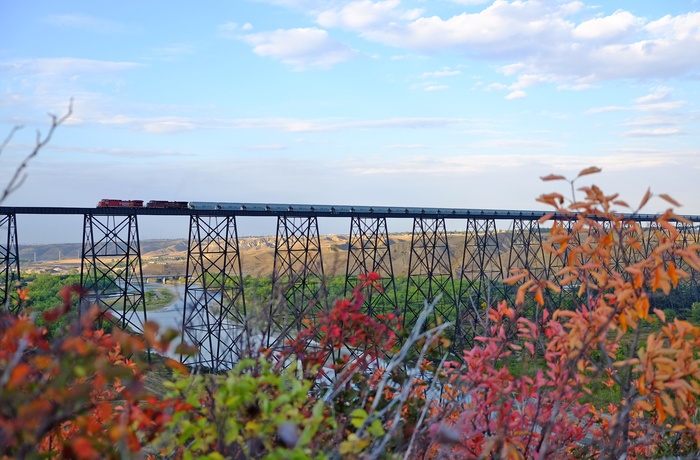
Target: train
column 258, row 207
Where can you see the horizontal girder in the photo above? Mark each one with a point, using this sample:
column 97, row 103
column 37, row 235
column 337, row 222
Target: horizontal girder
column 307, row 210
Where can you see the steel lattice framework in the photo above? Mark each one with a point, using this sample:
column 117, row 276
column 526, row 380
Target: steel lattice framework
column 110, row 269
column 369, row 251
column 9, row 258
column 215, row 318
column 298, row 282
column 480, row 276
column 214, row 314
column 430, row 273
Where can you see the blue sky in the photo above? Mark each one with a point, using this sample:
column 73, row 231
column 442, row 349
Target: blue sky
column 448, row 103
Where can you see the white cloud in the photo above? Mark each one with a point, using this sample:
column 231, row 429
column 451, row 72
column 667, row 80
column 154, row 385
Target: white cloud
column 659, row 94
column 470, row 2
column 123, row 153
column 407, row 146
column 616, row 26
column 266, row 147
column 165, row 125
column 498, row 86
column 652, row 121
column 435, row 87
column 655, row 132
column 441, row 73
column 500, row 29
column 519, row 94
column 302, row 49
column 537, row 38
column 485, row 164
column 62, row 66
column 366, row 14
column 515, row 144
column 608, row 108
column 660, row 106
column 232, row 29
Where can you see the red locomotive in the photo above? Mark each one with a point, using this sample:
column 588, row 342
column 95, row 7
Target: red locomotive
column 107, row 203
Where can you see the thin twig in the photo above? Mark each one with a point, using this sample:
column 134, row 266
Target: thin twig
column 19, row 176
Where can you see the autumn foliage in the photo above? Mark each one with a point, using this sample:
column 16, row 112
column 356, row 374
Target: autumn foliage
column 609, row 377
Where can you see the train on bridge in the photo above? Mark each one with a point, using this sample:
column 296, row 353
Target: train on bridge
column 272, row 208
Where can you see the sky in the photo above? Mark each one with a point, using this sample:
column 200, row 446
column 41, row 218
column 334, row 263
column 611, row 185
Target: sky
column 440, row 103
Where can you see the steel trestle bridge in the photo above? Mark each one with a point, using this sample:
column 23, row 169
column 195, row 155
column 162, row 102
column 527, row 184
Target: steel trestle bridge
column 215, row 314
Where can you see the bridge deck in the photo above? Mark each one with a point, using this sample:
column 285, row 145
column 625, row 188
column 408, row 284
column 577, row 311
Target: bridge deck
column 295, row 210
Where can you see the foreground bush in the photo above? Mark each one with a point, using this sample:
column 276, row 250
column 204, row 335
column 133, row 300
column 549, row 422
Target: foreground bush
column 77, row 395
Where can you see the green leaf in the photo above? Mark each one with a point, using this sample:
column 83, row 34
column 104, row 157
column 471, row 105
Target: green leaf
column 358, row 417
column 376, row 429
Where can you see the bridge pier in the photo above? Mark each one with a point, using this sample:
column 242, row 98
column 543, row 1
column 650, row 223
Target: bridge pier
column 110, row 269
column 9, row 261
column 481, row 276
column 369, row 251
column 214, row 314
column 430, row 274
column 298, row 282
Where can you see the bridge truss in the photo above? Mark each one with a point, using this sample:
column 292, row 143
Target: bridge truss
column 9, row 261
column 463, row 272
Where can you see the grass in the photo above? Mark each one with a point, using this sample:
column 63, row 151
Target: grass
column 159, row 298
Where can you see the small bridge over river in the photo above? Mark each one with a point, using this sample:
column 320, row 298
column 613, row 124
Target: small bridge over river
column 494, row 242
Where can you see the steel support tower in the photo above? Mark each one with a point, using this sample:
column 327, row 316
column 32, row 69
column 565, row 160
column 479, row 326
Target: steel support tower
column 481, row 276
column 687, row 235
column 298, row 282
column 214, row 315
column 369, row 251
column 430, row 274
column 110, row 269
column 9, row 261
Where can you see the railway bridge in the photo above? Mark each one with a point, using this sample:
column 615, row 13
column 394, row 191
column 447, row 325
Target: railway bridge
column 215, row 315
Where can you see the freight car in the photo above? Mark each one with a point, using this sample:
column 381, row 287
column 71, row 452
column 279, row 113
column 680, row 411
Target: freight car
column 167, row 204
column 161, row 204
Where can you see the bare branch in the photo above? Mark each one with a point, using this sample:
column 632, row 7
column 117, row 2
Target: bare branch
column 19, row 175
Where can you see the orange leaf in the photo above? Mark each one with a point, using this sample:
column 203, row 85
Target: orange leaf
column 589, row 170
column 669, row 199
column 520, row 297
column 623, row 321
column 515, row 278
column 660, row 410
column 18, row 374
column 672, row 273
column 642, row 390
column 545, row 218
column 552, row 177
column 647, row 197
column 177, row 366
column 660, row 314
column 539, row 298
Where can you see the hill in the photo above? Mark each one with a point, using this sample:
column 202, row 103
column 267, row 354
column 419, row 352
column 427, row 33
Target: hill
column 169, row 256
